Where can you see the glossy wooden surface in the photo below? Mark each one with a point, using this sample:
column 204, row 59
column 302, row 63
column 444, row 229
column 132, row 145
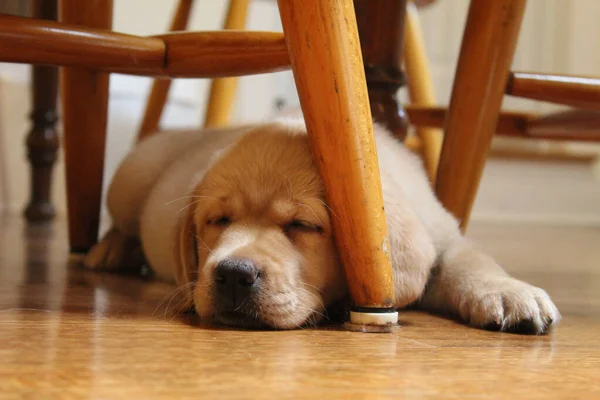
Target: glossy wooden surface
column 420, row 88
column 35, row 41
column 160, row 87
column 222, row 91
column 569, row 125
column 325, row 52
column 224, row 53
column 190, row 55
column 66, row 333
column 575, row 125
column 510, row 123
column 84, row 95
column 42, row 140
column 381, row 32
column 486, row 53
column 575, row 91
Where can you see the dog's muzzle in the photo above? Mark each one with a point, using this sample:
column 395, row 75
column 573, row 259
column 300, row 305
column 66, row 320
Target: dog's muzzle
column 237, row 283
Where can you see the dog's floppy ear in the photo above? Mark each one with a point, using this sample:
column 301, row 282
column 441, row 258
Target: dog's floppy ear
column 186, row 254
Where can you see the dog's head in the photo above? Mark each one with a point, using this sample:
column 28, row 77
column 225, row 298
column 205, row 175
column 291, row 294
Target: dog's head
column 256, row 238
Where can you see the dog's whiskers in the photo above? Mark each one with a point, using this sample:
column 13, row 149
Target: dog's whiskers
column 325, row 205
column 202, row 242
column 191, row 197
column 189, row 205
column 290, row 187
column 311, row 210
column 171, row 296
column 242, row 305
column 320, row 302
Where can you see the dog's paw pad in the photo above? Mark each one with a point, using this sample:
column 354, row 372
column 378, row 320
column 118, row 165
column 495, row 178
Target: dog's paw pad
column 526, row 326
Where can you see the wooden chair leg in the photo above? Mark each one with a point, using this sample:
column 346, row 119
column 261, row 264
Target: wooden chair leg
column 483, row 66
column 222, row 91
column 420, row 88
column 42, row 140
column 324, row 48
column 160, row 87
column 85, row 106
column 381, row 32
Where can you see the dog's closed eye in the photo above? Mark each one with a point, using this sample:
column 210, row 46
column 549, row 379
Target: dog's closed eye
column 220, row 221
column 293, row 226
column 298, row 225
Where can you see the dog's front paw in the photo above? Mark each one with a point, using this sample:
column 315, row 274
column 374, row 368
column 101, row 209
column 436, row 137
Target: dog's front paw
column 114, row 252
column 506, row 304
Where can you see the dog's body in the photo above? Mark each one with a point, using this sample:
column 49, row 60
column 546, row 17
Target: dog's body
column 249, row 200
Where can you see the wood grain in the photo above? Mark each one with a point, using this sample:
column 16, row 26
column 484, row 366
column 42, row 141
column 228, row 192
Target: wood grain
column 569, row 125
column 181, row 17
column 576, row 91
column 381, row 33
column 160, row 87
column 420, row 88
column 67, row 333
column 42, row 140
column 191, row 54
column 572, row 125
column 510, row 123
column 35, row 41
column 224, row 53
column 84, row 96
column 222, row 91
column 486, row 54
column 323, row 41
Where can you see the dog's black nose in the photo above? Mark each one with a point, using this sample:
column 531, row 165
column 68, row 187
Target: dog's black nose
column 236, row 273
column 235, row 280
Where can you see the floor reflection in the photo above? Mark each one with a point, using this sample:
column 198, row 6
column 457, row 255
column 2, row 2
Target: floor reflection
column 80, row 334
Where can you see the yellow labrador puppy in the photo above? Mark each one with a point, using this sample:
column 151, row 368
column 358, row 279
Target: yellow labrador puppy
column 238, row 218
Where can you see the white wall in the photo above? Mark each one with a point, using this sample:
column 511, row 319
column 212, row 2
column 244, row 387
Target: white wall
column 558, row 36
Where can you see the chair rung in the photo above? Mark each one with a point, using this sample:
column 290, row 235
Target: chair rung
column 33, row 41
column 509, row 123
column 224, row 53
column 181, row 54
column 574, row 125
column 581, row 92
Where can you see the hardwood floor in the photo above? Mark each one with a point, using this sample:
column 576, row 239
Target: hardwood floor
column 66, row 333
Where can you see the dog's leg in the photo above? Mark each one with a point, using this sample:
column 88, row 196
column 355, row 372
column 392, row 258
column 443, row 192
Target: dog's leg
column 469, row 284
column 116, row 251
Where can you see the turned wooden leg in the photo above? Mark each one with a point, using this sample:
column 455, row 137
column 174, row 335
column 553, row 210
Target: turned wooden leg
column 84, row 96
column 381, row 30
column 324, row 48
column 420, row 88
column 160, row 87
column 222, row 91
column 42, row 140
column 482, row 72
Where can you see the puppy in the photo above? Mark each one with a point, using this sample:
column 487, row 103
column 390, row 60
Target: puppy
column 237, row 218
